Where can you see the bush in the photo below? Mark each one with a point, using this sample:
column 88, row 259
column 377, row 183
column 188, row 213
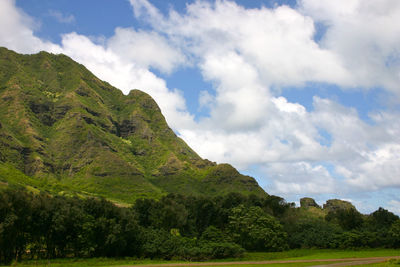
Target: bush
column 224, row 250
column 313, row 233
column 164, row 245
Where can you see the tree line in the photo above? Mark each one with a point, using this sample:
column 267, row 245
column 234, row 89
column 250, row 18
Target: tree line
column 41, row 226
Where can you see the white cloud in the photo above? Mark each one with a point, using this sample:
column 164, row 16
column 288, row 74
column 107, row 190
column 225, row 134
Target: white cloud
column 364, row 35
column 366, row 155
column 147, row 49
column 146, row 10
column 301, row 178
column 285, row 134
column 379, row 169
column 205, row 99
column 16, row 31
column 277, row 42
column 241, row 102
column 61, row 18
column 394, row 206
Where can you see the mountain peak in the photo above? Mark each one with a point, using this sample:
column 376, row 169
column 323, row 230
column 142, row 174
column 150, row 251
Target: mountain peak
column 65, row 130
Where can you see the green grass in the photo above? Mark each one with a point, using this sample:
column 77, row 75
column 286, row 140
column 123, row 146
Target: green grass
column 298, row 254
column 296, row 264
column 388, row 263
column 101, row 262
column 307, row 254
column 90, row 262
column 337, row 254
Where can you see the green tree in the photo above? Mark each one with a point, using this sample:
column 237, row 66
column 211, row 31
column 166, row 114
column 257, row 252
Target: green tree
column 143, row 208
column 255, row 230
column 276, row 206
column 394, row 232
column 348, row 219
column 213, row 234
column 205, row 213
column 15, row 219
column 313, row 233
column 382, row 218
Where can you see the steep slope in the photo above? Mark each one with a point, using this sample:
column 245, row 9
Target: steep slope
column 64, row 130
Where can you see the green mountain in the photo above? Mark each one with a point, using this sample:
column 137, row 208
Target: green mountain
column 65, row 131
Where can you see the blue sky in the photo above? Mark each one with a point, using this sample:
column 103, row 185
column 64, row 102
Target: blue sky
column 303, row 95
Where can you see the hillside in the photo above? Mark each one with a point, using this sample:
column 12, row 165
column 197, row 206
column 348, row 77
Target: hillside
column 65, row 131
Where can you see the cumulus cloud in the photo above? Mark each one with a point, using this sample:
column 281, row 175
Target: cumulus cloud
column 277, row 42
column 366, row 155
column 147, row 49
column 300, row 177
column 286, row 134
column 364, row 35
column 16, row 31
column 360, row 47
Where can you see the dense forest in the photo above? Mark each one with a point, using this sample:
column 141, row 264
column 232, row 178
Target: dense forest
column 179, row 227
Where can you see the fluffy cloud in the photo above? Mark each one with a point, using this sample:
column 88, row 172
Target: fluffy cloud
column 365, row 35
column 366, row 155
column 285, row 133
column 16, row 31
column 147, row 49
column 359, row 47
column 277, row 42
column 300, row 177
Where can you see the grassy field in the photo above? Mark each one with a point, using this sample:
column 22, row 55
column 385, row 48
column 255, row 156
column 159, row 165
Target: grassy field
column 300, row 254
column 90, row 262
column 309, row 254
column 392, row 263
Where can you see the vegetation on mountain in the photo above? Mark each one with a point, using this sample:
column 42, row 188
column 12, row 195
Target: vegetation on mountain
column 65, row 131
column 307, row 202
column 334, row 205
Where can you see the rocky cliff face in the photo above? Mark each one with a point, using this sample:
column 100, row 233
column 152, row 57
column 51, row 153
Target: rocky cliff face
column 338, row 204
column 64, row 130
column 307, row 202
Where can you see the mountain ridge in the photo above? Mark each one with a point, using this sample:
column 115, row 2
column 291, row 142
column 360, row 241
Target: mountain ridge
column 64, row 130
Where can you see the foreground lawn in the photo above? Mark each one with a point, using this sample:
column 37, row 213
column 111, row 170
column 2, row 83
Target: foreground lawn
column 309, row 254
column 77, row 262
column 389, row 263
column 298, row 254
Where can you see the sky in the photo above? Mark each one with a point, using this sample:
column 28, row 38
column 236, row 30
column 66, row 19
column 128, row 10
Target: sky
column 302, row 95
